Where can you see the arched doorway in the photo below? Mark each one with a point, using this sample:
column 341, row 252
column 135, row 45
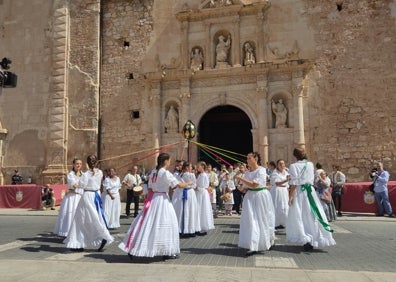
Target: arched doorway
column 228, row 128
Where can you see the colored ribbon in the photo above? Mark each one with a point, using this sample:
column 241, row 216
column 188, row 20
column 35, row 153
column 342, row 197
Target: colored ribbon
column 99, row 207
column 146, row 207
column 314, row 209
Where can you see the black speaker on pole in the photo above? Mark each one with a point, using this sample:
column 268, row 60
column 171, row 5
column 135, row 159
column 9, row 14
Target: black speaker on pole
column 10, row 79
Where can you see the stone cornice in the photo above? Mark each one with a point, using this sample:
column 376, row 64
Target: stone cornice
column 291, row 66
column 233, row 10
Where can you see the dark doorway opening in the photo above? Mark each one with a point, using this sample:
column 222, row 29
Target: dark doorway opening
column 228, row 128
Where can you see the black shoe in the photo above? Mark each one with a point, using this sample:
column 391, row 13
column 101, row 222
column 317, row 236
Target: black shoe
column 79, row 250
column 379, row 214
column 250, row 253
column 279, row 227
column 339, row 214
column 104, row 242
column 130, row 256
column 202, row 233
column 391, row 215
column 308, row 247
column 171, row 257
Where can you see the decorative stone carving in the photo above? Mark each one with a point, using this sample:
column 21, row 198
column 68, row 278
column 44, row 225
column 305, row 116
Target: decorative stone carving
column 249, row 58
column 275, row 54
column 216, row 3
column 222, row 50
column 197, row 59
column 280, row 111
column 172, row 121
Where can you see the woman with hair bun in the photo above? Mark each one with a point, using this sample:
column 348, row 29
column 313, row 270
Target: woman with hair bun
column 70, row 201
column 89, row 227
column 155, row 231
column 257, row 227
column 306, row 223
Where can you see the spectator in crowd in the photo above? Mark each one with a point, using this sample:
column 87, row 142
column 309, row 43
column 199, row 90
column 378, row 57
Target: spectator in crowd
column 47, row 198
column 381, row 178
column 16, row 178
column 337, row 180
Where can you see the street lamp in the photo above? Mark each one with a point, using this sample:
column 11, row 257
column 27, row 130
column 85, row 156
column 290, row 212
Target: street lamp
column 188, row 132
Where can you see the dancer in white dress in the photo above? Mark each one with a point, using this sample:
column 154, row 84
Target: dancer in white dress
column 70, row 201
column 306, row 222
column 205, row 212
column 257, row 225
column 281, row 202
column 185, row 203
column 88, row 228
column 111, row 199
column 155, row 231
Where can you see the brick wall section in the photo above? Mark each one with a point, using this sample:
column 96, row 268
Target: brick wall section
column 124, row 22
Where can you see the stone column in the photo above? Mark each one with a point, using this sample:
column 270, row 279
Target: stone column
column 185, row 51
column 298, row 94
column 157, row 124
column 262, row 116
column 185, row 94
column 185, row 112
column 236, row 44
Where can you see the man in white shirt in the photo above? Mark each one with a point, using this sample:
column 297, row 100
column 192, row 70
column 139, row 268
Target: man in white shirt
column 131, row 180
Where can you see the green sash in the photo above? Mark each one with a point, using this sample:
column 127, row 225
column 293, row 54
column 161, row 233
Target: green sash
column 257, row 189
column 314, row 208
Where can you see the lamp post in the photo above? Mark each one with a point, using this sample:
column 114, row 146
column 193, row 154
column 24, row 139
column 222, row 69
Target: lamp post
column 188, row 133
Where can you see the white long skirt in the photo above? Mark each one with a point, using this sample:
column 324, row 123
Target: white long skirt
column 257, row 225
column 66, row 213
column 281, row 205
column 155, row 231
column 112, row 209
column 187, row 213
column 302, row 226
column 88, row 227
column 205, row 212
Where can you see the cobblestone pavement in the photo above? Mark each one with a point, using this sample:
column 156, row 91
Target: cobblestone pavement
column 365, row 247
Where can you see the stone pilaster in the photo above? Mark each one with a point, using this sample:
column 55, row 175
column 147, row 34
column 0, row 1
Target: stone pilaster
column 262, row 116
column 57, row 133
column 236, row 44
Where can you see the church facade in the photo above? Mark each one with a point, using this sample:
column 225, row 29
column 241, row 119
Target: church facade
column 120, row 78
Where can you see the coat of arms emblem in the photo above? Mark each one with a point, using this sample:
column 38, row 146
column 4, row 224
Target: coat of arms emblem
column 19, row 196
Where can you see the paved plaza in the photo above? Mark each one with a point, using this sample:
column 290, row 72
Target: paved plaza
column 365, row 251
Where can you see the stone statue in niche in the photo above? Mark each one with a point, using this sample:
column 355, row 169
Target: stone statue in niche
column 222, row 50
column 196, row 60
column 250, row 59
column 172, row 121
column 280, row 111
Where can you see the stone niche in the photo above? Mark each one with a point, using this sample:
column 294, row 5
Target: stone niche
column 224, row 62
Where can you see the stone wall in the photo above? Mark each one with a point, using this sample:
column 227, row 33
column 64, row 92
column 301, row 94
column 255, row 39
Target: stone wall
column 353, row 117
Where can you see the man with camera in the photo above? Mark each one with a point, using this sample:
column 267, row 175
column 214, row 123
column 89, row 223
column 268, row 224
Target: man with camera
column 380, row 180
column 47, row 198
